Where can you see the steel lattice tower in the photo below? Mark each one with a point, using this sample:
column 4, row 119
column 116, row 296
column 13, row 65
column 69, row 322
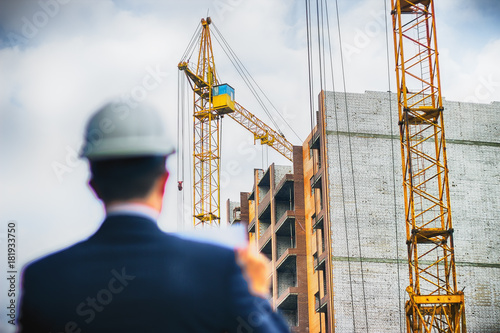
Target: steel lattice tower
column 212, row 101
column 435, row 304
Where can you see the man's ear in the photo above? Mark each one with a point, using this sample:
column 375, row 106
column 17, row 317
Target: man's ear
column 162, row 180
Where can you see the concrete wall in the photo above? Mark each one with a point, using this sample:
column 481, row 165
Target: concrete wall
column 280, row 171
column 368, row 209
column 230, row 211
column 281, row 207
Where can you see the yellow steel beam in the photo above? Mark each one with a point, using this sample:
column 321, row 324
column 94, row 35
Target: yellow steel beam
column 435, row 304
column 206, row 133
column 262, row 132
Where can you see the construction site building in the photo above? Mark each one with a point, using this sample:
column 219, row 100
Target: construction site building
column 333, row 226
column 275, row 216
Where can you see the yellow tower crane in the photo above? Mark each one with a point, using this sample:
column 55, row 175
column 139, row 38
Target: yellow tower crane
column 435, row 304
column 213, row 100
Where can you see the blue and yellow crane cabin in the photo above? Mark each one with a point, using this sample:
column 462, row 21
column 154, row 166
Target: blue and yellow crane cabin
column 223, row 98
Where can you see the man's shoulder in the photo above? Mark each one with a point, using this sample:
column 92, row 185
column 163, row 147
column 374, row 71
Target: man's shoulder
column 162, row 244
column 54, row 259
column 198, row 248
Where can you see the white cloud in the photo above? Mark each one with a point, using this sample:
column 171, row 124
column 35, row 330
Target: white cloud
column 475, row 80
column 94, row 50
column 86, row 54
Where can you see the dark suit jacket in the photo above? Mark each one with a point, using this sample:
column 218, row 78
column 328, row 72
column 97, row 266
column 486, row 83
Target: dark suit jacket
column 132, row 277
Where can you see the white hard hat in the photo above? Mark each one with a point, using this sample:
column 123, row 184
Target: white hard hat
column 118, row 131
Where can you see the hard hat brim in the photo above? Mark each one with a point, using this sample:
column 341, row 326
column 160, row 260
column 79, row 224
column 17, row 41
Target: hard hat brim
column 112, row 148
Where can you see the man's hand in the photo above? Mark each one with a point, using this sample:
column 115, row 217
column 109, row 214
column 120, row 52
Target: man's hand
column 256, row 271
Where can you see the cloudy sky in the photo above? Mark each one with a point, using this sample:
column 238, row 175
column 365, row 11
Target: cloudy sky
column 62, row 59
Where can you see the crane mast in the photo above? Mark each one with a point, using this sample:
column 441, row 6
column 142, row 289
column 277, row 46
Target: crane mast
column 435, row 304
column 205, row 133
column 212, row 100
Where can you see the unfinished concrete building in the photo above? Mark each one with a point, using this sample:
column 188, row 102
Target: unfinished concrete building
column 275, row 216
column 351, row 267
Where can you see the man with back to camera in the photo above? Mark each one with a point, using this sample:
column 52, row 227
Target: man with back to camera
column 130, row 276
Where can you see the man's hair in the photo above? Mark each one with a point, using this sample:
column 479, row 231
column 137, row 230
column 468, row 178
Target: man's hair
column 125, row 179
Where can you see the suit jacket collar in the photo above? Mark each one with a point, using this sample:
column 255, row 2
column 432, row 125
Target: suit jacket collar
column 126, row 226
column 132, row 208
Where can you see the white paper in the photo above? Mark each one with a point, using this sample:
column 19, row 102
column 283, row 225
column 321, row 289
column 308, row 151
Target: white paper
column 232, row 237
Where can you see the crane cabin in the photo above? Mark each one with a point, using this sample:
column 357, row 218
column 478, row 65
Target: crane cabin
column 223, row 98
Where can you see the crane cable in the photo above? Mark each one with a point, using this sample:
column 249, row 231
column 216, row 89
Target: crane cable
column 181, row 84
column 242, row 71
column 240, row 68
column 182, row 101
column 180, row 125
column 393, row 166
column 312, row 115
column 245, row 78
column 192, row 43
column 321, row 45
column 248, row 79
column 309, row 64
column 341, row 174
column 352, row 168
